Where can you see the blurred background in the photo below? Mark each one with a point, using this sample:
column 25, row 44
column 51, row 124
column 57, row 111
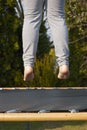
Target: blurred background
column 11, row 64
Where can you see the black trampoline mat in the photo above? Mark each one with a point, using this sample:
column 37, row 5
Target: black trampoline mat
column 30, row 100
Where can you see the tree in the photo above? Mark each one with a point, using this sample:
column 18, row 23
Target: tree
column 11, row 66
column 44, row 44
column 76, row 17
column 10, row 56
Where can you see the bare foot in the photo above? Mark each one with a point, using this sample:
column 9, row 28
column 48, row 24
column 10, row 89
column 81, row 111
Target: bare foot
column 28, row 73
column 63, row 72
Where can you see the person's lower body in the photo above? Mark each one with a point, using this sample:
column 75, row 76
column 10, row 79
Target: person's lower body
column 32, row 20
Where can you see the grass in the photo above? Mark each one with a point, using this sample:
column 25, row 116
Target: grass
column 45, row 126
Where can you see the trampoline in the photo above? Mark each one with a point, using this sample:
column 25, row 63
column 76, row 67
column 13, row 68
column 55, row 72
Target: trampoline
column 43, row 104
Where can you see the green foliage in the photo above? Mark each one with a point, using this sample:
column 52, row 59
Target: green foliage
column 44, row 72
column 67, row 125
column 10, row 56
column 44, row 44
column 11, row 65
column 76, row 16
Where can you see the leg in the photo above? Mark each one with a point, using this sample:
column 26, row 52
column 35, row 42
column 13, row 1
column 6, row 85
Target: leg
column 56, row 19
column 32, row 20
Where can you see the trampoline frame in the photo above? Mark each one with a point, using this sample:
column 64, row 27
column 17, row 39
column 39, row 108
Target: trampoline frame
column 31, row 117
column 50, row 116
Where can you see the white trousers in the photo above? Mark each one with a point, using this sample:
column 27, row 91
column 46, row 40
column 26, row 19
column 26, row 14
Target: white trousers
column 32, row 20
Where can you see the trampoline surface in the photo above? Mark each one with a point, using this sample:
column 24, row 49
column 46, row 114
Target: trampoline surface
column 51, row 99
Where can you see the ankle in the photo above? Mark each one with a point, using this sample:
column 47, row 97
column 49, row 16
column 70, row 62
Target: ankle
column 28, row 73
column 28, row 69
column 64, row 68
